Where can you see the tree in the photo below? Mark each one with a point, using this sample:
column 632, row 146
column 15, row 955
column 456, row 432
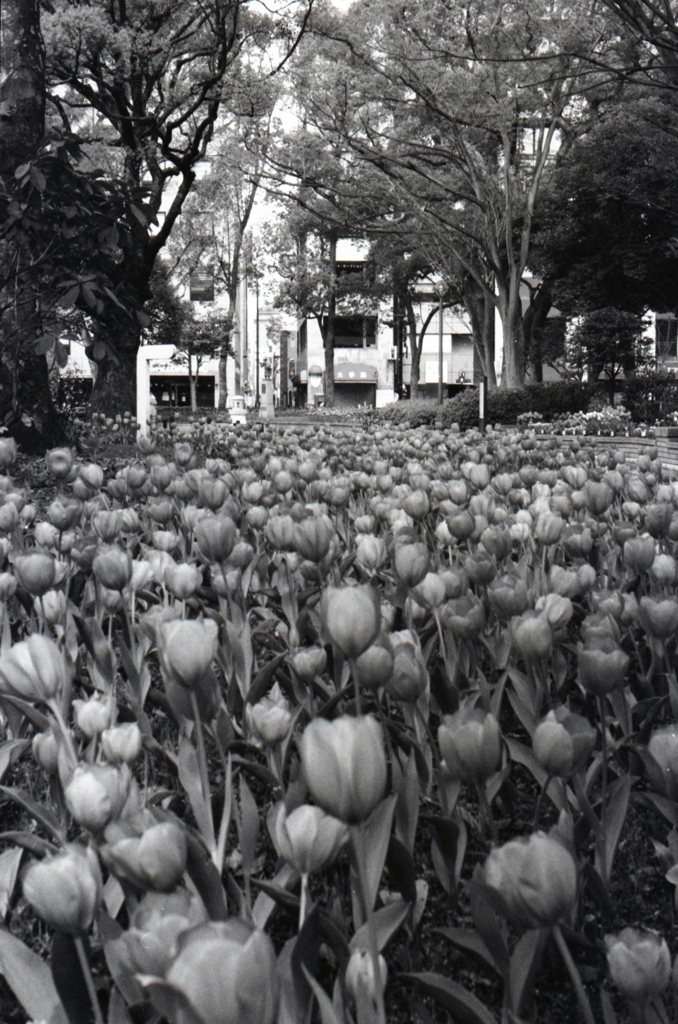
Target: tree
column 201, row 338
column 606, row 343
column 607, row 224
column 463, row 110
column 59, row 231
column 157, row 77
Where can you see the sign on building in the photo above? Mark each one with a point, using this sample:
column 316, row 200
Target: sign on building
column 202, row 284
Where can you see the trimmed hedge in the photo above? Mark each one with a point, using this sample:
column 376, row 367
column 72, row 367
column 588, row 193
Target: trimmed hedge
column 651, row 397
column 504, row 405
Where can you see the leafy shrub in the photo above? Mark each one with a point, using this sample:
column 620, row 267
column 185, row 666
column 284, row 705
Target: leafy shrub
column 652, row 397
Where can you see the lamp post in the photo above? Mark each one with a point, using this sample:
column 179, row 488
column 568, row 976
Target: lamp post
column 441, row 291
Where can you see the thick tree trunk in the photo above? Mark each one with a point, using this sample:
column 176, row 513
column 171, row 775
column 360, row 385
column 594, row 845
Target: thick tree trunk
column 26, row 406
column 415, row 348
column 114, row 389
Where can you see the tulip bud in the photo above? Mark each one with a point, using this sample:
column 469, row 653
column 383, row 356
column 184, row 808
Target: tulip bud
column 532, row 635
column 182, row 579
column 121, row 743
column 65, row 890
column 96, row 794
column 371, row 552
column 409, row 677
column 308, row 839
column 186, row 649
column 113, row 568
column 508, row 597
column 471, row 745
column 64, row 513
column 227, row 972
column 107, row 525
column 464, row 616
column 216, row 537
column 351, row 618
column 659, row 617
column 663, row 747
column 374, row 667
column 94, row 715
column 34, row 669
column 8, row 585
column 639, row 963
column 535, row 880
column 270, row 719
column 36, row 572
column 279, row 532
column 361, row 983
column 344, row 765
column 45, row 747
column 563, row 742
column 309, row 662
column 145, row 852
column 602, row 665
column 92, row 475
column 411, row 563
column 639, row 554
column 430, row 592
column 183, row 453
column 312, row 537
column 8, row 452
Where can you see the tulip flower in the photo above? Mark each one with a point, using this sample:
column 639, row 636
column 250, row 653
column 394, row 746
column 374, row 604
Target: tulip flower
column 151, row 942
column 563, row 742
column 351, row 618
column 471, row 744
column 8, row 452
column 411, row 562
column 94, row 715
column 36, row 572
column 309, row 662
column 639, row 554
column 65, row 890
column 216, row 537
column 532, row 635
column 602, row 665
column 34, row 669
column 639, row 963
column 182, row 579
column 534, row 879
column 121, row 744
column 663, row 746
column 361, row 983
column 344, row 765
column 186, row 649
column 270, row 719
column 113, row 568
column 409, row 678
column 313, row 537
column 374, row 667
column 227, row 972
column 96, row 794
column 147, row 853
column 307, row 838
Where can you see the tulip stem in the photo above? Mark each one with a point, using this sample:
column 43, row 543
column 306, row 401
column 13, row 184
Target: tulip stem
column 575, row 976
column 302, row 901
column 487, row 821
column 202, row 759
column 603, row 784
column 89, row 981
column 63, row 729
column 540, row 802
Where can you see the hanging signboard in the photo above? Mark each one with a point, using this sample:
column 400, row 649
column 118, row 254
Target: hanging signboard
column 202, row 284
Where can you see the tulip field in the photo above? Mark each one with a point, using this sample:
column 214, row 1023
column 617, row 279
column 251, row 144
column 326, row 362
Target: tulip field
column 339, row 724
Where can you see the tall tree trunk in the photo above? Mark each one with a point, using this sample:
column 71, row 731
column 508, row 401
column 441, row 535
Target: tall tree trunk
column 415, row 347
column 481, row 311
column 534, row 320
column 331, row 328
column 26, row 406
column 192, row 383
column 114, row 388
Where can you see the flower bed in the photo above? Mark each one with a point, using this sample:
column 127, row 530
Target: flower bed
column 374, row 724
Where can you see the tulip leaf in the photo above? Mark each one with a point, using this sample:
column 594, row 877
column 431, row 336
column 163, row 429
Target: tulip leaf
column 463, row 1005
column 401, row 870
column 113, row 948
column 609, row 1016
column 117, row 1010
column 370, row 847
column 526, row 960
column 42, row 815
column 248, row 826
column 30, row 980
column 470, row 942
column 189, row 776
column 667, row 808
column 206, row 878
column 29, row 841
column 9, row 869
column 171, row 1003
column 35, row 717
column 407, row 808
column 488, row 926
column 614, row 816
column 264, row 679
column 328, row 1014
column 10, row 752
column 387, row 921
column 69, row 979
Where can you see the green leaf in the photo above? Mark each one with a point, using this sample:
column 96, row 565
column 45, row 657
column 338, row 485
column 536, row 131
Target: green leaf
column 116, row 960
column 9, row 869
column 464, row 1006
column 248, row 826
column 30, row 980
column 10, row 752
column 70, row 297
column 42, row 815
column 614, row 816
column 117, row 1011
column 328, row 1014
column 205, row 877
column 387, row 921
column 470, row 942
column 372, row 848
column 488, row 926
column 525, row 963
column 189, row 777
column 69, row 978
column 264, row 679
column 38, row 179
column 44, row 344
column 168, row 1000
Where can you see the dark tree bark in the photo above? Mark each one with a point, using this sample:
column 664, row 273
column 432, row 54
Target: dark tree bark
column 26, row 407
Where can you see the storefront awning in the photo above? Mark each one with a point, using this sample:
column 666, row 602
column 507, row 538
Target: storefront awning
column 354, row 373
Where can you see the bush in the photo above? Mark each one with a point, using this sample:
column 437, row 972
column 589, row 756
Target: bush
column 504, row 405
column 652, row 397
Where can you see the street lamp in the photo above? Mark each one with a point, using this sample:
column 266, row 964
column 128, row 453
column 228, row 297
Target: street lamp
column 441, row 291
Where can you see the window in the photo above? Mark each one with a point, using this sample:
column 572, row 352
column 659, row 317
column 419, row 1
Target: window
column 666, row 327
column 355, row 331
